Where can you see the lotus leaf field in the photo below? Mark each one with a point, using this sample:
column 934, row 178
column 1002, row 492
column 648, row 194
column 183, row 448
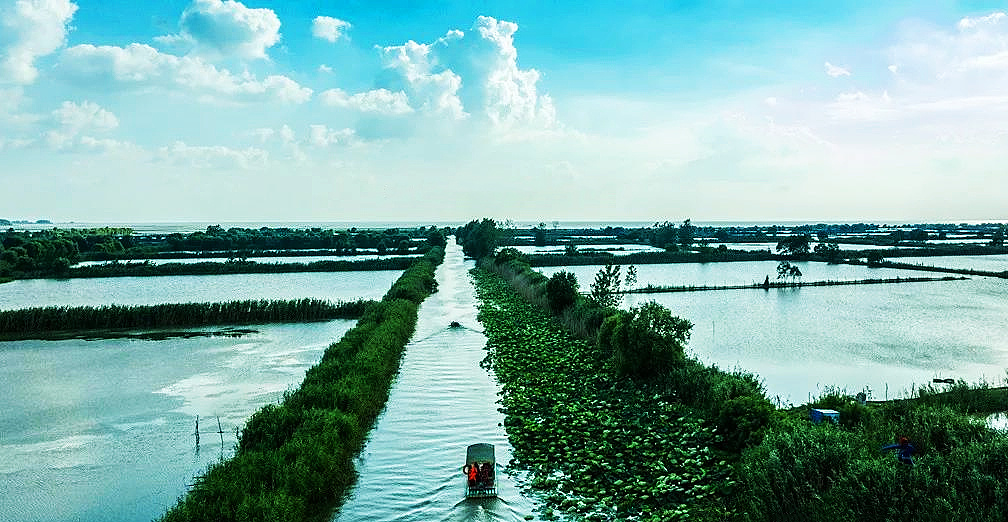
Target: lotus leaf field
column 595, row 448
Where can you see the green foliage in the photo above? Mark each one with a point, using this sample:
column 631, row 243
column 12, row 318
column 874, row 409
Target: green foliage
column 605, row 291
column 478, row 238
column 45, row 322
column 743, row 420
column 828, row 251
column 294, row 460
column 802, row 471
column 796, row 246
column 648, row 341
column 561, row 291
column 509, row 254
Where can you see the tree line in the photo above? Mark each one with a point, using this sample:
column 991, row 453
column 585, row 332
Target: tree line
column 52, row 252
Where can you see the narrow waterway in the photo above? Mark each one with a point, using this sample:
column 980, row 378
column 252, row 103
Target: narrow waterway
column 442, row 401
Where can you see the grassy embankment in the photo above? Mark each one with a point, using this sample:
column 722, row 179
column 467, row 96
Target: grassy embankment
column 62, row 322
column 294, row 459
column 706, row 444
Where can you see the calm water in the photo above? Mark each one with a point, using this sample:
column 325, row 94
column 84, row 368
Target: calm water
column 739, row 273
column 192, row 289
column 887, row 337
column 442, row 401
column 103, row 430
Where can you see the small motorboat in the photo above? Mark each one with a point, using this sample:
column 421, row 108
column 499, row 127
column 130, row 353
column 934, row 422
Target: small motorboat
column 454, row 324
column 481, row 471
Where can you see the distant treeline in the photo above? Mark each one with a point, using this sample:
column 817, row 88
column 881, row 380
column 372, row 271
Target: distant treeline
column 51, row 252
column 295, row 460
column 42, row 322
column 234, row 267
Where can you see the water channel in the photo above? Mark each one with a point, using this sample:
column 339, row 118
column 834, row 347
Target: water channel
column 442, row 401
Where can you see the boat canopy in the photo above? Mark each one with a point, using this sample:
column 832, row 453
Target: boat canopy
column 482, row 452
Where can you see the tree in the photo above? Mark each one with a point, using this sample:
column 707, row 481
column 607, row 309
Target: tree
column 997, row 239
column 783, row 269
column 795, row 245
column 540, row 236
column 647, row 340
column 479, row 238
column 829, row 251
column 631, row 277
column 786, row 269
column 605, row 289
column 794, row 273
column 561, row 291
column 686, row 234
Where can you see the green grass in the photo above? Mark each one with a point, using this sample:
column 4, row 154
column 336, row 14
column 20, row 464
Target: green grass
column 294, row 460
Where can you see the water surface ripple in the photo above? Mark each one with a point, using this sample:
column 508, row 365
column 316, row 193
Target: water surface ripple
column 442, row 401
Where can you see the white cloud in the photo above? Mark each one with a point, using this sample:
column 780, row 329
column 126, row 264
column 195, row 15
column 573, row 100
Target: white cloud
column 380, row 101
column 329, row 28
column 73, row 120
column 30, row 29
column 142, row 66
column 323, row 68
column 215, row 156
column 225, row 29
column 322, row 136
column 474, row 73
column 835, row 71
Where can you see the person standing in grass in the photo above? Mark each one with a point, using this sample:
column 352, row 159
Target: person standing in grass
column 904, row 451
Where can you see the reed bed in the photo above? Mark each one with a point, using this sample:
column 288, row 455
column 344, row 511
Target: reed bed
column 40, row 322
column 294, row 459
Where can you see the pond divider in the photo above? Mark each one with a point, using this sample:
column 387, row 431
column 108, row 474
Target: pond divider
column 650, row 289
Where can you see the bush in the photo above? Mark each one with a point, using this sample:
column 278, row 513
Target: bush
column 650, row 342
column 743, row 420
column 561, row 291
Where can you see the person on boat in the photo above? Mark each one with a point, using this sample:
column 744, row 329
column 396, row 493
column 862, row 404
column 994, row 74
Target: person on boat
column 904, row 451
column 486, row 475
column 471, row 472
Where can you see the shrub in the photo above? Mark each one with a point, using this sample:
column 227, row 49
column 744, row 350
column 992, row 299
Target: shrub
column 651, row 341
column 561, row 291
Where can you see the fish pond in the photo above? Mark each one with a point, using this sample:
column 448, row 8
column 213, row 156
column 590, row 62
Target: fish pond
column 883, row 338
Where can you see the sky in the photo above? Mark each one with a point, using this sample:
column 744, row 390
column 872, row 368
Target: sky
column 204, row 110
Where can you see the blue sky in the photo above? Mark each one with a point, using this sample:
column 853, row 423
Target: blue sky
column 222, row 110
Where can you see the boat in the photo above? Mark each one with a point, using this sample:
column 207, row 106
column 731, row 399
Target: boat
column 480, row 471
column 455, row 324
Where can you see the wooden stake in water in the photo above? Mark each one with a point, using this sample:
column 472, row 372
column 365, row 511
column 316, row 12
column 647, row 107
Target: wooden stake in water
column 197, row 431
column 220, row 431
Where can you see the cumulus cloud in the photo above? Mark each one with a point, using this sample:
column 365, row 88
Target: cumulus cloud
column 225, row 29
column 30, row 29
column 475, row 73
column 329, row 28
column 214, row 156
column 142, row 66
column 835, row 71
column 380, row 101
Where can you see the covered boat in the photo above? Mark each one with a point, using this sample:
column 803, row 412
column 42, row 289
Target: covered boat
column 480, row 471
